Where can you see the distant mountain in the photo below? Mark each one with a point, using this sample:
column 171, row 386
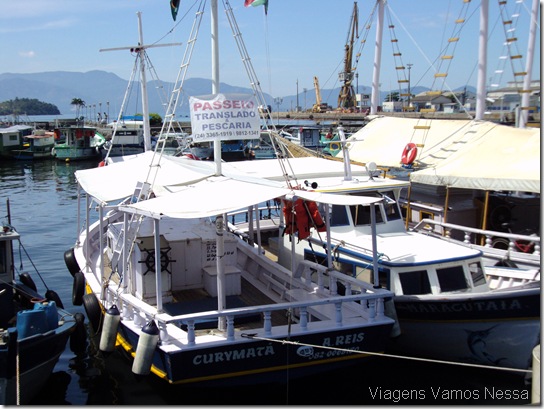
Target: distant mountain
column 100, row 87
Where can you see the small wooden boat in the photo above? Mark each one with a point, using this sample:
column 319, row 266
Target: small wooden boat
column 34, row 329
column 80, row 143
column 38, row 145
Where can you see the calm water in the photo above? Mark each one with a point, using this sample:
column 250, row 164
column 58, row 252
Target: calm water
column 43, row 198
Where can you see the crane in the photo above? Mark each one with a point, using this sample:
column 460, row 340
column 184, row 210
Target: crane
column 346, row 98
column 318, row 106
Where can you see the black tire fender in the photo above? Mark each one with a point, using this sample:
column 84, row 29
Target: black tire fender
column 78, row 288
column 71, row 262
column 93, row 311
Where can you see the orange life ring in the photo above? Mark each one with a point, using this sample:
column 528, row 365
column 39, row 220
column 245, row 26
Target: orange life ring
column 409, row 153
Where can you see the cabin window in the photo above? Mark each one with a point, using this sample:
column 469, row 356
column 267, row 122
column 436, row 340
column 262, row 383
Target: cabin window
column 477, row 273
column 451, row 278
column 361, row 215
column 339, row 216
column 425, row 215
column 415, row 282
column 391, row 207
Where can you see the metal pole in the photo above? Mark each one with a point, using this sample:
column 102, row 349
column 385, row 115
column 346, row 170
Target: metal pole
column 215, row 78
column 482, row 60
column 409, row 89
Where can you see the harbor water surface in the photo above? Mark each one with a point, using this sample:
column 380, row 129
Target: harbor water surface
column 43, row 200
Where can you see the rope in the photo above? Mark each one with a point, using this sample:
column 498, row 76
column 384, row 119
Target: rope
column 17, row 377
column 412, row 358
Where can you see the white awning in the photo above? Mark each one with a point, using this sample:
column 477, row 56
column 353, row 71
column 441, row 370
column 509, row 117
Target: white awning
column 468, row 154
column 508, row 160
column 218, row 195
column 211, row 197
column 118, row 180
column 336, row 199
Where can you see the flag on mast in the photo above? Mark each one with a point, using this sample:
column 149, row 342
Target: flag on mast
column 254, row 3
column 174, row 5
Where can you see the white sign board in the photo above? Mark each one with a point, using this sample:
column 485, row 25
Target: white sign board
column 224, row 117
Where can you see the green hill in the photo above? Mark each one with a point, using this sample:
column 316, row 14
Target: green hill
column 27, row 106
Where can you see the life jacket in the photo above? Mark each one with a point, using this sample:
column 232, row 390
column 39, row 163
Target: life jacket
column 316, row 217
column 289, row 217
column 302, row 220
column 306, row 215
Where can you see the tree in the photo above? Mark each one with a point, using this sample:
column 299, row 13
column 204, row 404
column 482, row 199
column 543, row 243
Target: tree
column 79, row 103
column 393, row 96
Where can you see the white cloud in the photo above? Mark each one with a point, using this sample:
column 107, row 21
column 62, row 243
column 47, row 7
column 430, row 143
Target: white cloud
column 27, row 54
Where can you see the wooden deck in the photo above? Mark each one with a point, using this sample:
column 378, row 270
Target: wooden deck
column 250, row 295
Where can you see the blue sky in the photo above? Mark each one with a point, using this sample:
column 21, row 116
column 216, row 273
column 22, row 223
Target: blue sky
column 299, row 39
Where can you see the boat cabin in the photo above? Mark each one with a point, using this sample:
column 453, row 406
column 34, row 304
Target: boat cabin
column 188, row 259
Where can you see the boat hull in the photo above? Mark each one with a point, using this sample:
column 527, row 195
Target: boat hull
column 253, row 361
column 499, row 328
column 72, row 153
column 123, row 150
column 38, row 355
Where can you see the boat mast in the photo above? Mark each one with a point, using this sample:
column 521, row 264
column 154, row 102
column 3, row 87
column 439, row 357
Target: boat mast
column 377, row 61
column 219, row 221
column 145, row 108
column 215, row 79
column 482, row 61
column 526, row 93
column 140, row 49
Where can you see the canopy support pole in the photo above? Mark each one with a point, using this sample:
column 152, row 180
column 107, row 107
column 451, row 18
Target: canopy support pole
column 484, row 217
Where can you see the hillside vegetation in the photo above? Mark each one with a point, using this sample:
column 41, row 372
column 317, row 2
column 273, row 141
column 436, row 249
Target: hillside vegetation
column 27, row 106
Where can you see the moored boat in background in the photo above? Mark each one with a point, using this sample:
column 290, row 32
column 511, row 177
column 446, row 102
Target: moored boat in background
column 37, row 145
column 448, row 307
column 11, row 138
column 80, row 143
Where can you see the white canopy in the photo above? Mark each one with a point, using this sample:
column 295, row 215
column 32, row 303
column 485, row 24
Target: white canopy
column 218, row 194
column 509, row 160
column 383, row 140
column 118, row 180
column 213, row 196
column 456, row 153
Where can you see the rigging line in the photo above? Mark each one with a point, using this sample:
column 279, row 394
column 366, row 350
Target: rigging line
column 31, row 262
column 162, row 95
column 511, row 42
column 177, row 24
column 254, row 81
column 267, row 48
column 383, row 354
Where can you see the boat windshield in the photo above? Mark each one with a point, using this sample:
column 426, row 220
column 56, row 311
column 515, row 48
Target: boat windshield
column 451, row 278
column 415, row 282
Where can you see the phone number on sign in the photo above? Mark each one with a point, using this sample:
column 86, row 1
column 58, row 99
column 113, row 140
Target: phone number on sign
column 226, row 134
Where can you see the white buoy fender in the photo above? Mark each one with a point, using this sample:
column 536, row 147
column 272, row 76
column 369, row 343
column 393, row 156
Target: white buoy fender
column 145, row 350
column 109, row 329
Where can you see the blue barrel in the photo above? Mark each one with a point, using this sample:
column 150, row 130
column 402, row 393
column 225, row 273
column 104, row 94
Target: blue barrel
column 31, row 322
column 52, row 316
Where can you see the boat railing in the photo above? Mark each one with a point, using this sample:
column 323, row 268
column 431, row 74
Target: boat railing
column 371, row 301
column 486, row 240
column 338, row 244
column 472, row 234
column 316, row 297
column 242, row 216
